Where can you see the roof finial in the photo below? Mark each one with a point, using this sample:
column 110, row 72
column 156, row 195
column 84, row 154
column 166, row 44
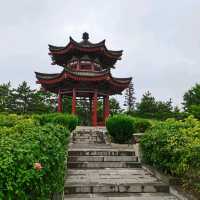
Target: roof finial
column 85, row 36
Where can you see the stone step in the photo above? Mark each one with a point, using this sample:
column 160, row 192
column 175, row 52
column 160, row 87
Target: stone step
column 88, row 141
column 106, row 164
column 100, row 152
column 121, row 196
column 85, row 137
column 121, row 188
column 112, row 181
column 102, row 158
column 87, row 134
column 78, row 147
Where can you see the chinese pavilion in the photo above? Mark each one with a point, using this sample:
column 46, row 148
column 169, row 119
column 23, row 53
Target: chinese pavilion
column 86, row 73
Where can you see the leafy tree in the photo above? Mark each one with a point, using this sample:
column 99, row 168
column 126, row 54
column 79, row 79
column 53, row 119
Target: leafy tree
column 24, row 100
column 147, row 107
column 43, row 102
column 130, row 98
column 194, row 110
column 21, row 98
column 191, row 101
column 191, row 97
column 114, row 107
column 150, row 108
column 164, row 109
column 5, row 91
column 178, row 114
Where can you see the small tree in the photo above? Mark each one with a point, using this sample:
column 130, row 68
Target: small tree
column 21, row 99
column 5, row 91
column 114, row 107
column 147, row 106
column 130, row 98
column 191, row 97
column 150, row 108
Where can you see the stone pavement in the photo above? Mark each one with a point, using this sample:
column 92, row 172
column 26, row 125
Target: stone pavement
column 99, row 170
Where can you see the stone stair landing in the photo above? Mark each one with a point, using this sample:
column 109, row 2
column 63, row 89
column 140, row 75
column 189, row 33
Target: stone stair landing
column 101, row 171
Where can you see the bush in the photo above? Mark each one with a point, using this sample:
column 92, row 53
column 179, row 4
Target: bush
column 24, row 145
column 45, row 118
column 69, row 121
column 120, row 127
column 141, row 125
column 10, row 120
column 173, row 147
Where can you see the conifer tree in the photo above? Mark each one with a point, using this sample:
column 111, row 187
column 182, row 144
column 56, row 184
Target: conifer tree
column 130, row 98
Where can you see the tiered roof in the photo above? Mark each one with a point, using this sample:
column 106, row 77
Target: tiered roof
column 92, row 74
column 93, row 80
column 61, row 55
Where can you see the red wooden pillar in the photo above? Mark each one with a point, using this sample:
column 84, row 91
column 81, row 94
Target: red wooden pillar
column 106, row 107
column 94, row 109
column 78, row 65
column 73, row 101
column 59, row 102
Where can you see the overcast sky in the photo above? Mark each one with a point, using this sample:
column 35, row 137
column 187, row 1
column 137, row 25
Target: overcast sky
column 160, row 39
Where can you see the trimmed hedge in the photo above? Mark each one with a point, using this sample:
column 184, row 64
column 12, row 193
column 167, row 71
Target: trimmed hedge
column 31, row 157
column 120, row 128
column 174, row 147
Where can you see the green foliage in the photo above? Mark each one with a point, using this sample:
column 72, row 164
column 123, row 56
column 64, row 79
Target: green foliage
column 69, row 121
column 192, row 97
column 130, row 98
column 114, row 107
column 83, row 111
column 141, row 125
column 4, row 96
column 174, row 146
column 11, row 120
column 194, row 110
column 24, row 100
column 150, row 108
column 120, row 127
column 24, row 142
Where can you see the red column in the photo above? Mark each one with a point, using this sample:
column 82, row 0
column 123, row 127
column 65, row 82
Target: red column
column 93, row 66
column 106, row 107
column 73, row 101
column 94, row 109
column 59, row 102
column 78, row 66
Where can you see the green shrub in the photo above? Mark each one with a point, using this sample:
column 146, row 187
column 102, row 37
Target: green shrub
column 72, row 122
column 141, row 125
column 174, row 146
column 66, row 120
column 45, row 118
column 21, row 146
column 120, row 127
column 10, row 120
column 69, row 121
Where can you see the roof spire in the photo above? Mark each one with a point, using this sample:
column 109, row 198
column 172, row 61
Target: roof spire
column 85, row 36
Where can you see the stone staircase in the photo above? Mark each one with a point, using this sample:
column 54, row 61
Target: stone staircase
column 101, row 171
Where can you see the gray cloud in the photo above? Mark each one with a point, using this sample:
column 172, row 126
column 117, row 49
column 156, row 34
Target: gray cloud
column 160, row 39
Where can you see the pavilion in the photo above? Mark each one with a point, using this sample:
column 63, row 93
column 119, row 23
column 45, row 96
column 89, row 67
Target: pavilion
column 86, row 73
